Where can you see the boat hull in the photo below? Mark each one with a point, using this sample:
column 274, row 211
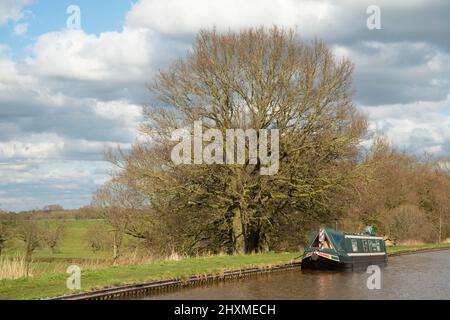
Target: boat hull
column 344, row 263
column 324, row 264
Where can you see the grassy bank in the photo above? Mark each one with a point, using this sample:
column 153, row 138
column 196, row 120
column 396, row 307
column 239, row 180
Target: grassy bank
column 54, row 284
column 419, row 247
column 49, row 285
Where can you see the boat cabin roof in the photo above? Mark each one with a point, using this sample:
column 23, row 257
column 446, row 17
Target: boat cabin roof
column 334, row 239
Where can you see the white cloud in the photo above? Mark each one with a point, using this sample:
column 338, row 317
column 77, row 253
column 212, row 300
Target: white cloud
column 12, row 79
column 29, row 184
column 433, row 150
column 12, row 10
column 32, row 103
column 180, row 16
column 343, row 22
column 84, row 146
column 12, row 201
column 118, row 110
column 20, row 29
column 419, row 109
column 418, row 127
column 111, row 56
column 404, row 72
column 37, row 146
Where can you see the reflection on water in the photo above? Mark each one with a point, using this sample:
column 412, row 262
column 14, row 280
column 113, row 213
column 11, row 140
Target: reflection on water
column 419, row 276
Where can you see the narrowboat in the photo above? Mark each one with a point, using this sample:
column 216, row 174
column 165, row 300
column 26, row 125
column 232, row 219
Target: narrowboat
column 334, row 250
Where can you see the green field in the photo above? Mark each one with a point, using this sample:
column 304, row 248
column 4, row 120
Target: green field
column 73, row 245
column 73, row 249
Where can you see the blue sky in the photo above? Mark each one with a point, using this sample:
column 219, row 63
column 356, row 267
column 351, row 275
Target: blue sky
column 68, row 95
column 44, row 16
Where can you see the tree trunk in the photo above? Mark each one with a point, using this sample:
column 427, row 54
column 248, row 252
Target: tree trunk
column 28, row 255
column 117, row 246
column 115, row 255
column 440, row 226
column 255, row 239
column 252, row 245
column 238, row 232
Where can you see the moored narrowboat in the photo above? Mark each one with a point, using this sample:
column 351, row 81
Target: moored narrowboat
column 335, row 250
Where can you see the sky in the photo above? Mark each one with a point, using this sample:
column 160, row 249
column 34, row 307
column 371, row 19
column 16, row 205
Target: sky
column 67, row 94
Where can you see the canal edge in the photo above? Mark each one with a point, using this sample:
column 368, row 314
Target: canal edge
column 161, row 286
column 407, row 252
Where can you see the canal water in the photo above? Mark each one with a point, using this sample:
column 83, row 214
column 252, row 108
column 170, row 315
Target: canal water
column 416, row 276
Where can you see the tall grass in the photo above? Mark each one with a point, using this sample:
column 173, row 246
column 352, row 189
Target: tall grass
column 13, row 268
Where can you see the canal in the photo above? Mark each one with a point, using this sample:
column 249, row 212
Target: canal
column 416, row 276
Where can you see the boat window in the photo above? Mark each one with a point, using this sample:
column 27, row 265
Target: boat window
column 338, row 238
column 326, row 244
column 354, row 245
column 365, row 246
column 375, row 246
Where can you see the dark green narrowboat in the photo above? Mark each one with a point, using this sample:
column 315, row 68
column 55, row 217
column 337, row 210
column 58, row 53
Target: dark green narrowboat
column 335, row 250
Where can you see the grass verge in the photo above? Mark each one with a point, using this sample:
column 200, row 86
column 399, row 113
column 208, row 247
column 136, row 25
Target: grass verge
column 12, row 267
column 420, row 247
column 51, row 285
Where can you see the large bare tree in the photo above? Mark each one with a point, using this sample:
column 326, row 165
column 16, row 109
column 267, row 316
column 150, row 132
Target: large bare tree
column 253, row 79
